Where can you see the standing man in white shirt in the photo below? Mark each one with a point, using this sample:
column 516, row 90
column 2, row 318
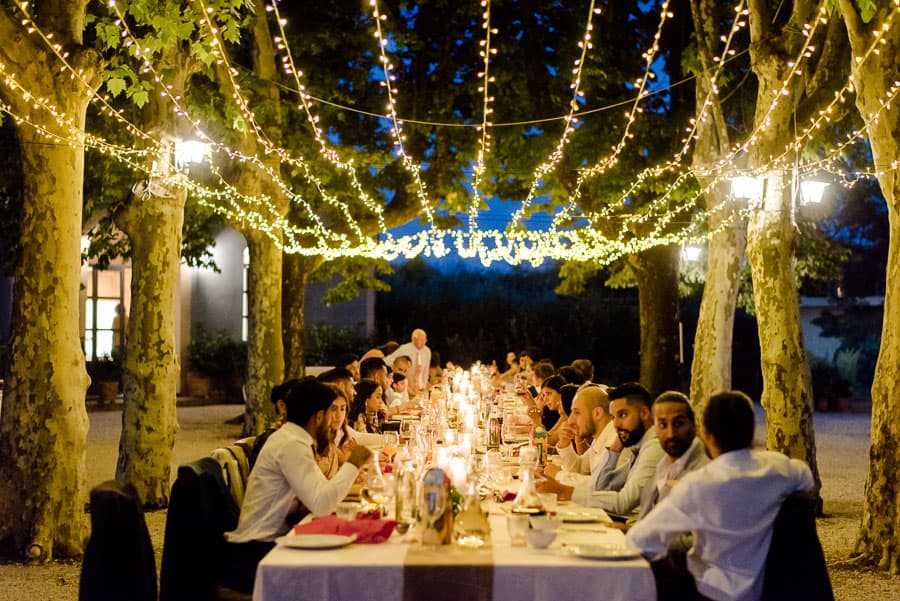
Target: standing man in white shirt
column 286, row 471
column 729, row 506
column 421, row 361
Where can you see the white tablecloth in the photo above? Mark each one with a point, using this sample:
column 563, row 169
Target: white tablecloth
column 375, row 572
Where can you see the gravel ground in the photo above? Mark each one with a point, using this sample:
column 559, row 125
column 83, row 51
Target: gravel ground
column 843, row 448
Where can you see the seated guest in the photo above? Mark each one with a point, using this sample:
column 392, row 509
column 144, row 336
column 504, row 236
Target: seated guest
column 396, row 398
column 589, row 419
column 277, row 395
column 346, row 437
column 417, row 350
column 508, row 376
column 586, row 367
column 570, row 374
column 549, row 404
column 365, row 407
column 729, row 506
column 673, row 418
column 286, row 470
column 617, row 488
column 350, row 362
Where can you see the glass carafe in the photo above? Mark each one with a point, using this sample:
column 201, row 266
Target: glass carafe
column 527, row 499
column 470, row 527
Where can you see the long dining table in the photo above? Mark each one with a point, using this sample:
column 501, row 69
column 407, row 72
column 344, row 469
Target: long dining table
column 403, row 570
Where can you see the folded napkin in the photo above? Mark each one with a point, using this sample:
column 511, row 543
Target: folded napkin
column 367, row 530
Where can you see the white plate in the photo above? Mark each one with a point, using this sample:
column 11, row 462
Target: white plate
column 605, row 552
column 315, row 541
column 579, row 517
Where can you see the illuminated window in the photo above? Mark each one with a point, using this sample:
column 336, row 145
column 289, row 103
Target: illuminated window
column 245, row 296
column 105, row 313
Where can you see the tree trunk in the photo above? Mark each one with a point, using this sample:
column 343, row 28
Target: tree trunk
column 875, row 79
column 711, row 367
column 296, row 274
column 265, row 351
column 43, row 431
column 657, row 272
column 149, row 421
column 787, row 384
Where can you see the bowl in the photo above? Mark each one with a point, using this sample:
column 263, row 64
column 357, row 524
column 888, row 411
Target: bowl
column 544, row 522
column 540, row 539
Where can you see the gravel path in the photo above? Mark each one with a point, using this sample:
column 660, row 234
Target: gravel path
column 843, row 449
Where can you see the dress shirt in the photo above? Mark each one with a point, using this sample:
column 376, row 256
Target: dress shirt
column 669, row 472
column 618, row 490
column 286, row 468
column 576, row 469
column 729, row 505
column 420, row 358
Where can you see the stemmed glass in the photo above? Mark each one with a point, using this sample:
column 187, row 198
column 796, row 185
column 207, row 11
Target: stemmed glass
column 390, row 442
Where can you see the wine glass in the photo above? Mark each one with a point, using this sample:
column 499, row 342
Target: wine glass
column 508, row 436
column 390, row 442
column 380, row 489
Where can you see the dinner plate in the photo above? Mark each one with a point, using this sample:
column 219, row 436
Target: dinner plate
column 315, row 541
column 605, row 552
column 579, row 517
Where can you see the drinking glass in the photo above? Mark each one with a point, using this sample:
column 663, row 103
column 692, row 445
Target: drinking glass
column 432, row 509
column 390, row 442
column 407, row 427
column 380, row 489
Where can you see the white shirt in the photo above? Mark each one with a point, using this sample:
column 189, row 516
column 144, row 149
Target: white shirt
column 729, row 505
column 622, row 492
column 668, row 471
column 420, row 358
column 577, row 468
column 286, row 468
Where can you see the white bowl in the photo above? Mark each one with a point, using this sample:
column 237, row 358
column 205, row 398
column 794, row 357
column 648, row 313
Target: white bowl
column 544, row 522
column 540, row 539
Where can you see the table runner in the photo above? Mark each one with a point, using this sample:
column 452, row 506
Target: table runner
column 448, row 573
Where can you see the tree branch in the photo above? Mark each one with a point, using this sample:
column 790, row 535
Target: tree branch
column 758, row 27
column 16, row 46
column 63, row 17
column 855, row 28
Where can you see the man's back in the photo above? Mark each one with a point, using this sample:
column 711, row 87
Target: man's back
column 729, row 506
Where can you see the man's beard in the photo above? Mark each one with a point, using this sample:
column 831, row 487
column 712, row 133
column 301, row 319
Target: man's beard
column 634, row 436
column 676, row 448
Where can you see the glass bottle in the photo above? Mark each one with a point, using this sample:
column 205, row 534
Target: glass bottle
column 470, row 527
column 405, row 496
column 527, row 499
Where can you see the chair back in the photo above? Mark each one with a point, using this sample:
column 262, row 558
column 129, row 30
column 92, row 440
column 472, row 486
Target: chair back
column 201, row 510
column 118, row 561
column 795, row 565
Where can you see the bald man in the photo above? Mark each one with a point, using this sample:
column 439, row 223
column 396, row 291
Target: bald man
column 415, row 349
column 589, row 420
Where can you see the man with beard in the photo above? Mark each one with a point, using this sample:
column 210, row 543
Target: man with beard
column 673, row 419
column 618, row 489
column 286, row 470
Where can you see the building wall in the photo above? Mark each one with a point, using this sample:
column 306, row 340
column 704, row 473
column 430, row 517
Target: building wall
column 813, row 307
column 215, row 298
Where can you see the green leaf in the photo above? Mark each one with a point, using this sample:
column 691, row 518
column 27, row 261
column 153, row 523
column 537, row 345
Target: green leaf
column 116, row 85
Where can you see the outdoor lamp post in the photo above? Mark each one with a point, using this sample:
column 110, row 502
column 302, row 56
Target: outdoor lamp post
column 691, row 253
column 747, row 187
column 190, row 151
column 811, row 192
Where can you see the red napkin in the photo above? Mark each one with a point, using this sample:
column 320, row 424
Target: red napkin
column 507, row 496
column 367, row 530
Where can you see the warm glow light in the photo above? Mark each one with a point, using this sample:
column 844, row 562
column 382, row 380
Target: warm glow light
column 190, row 151
column 811, row 191
column 691, row 253
column 749, row 188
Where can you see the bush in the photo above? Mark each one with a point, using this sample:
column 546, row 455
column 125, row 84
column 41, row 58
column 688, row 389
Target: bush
column 827, row 381
column 217, row 356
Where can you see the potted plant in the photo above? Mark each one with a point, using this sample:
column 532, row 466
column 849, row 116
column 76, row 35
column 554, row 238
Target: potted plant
column 216, row 361
column 106, row 374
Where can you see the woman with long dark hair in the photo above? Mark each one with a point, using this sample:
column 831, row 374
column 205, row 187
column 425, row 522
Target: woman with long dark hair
column 365, row 406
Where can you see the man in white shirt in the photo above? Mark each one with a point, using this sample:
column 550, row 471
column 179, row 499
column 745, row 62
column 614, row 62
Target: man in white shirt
column 617, row 488
column 286, row 470
column 420, row 355
column 729, row 506
column 588, row 419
